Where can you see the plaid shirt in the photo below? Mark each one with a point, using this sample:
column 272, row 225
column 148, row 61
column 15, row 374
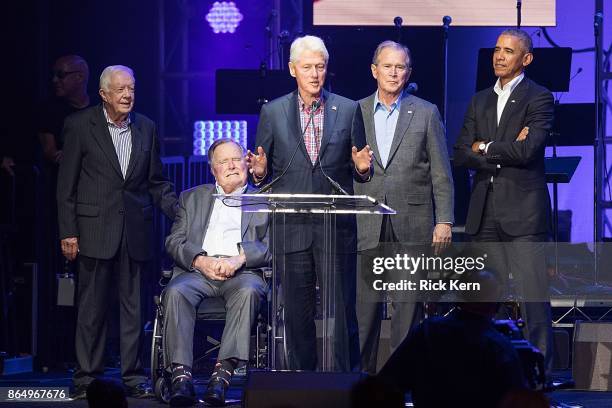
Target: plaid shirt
column 312, row 135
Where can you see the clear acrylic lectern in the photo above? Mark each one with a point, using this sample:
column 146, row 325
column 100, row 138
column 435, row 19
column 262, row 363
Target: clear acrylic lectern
column 328, row 206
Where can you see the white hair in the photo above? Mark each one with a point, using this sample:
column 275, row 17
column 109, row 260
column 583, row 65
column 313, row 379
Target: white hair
column 307, row 43
column 105, row 77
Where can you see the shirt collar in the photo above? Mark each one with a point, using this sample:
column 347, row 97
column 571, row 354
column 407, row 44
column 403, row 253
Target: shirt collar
column 306, row 108
column 121, row 125
column 394, row 105
column 509, row 86
column 239, row 190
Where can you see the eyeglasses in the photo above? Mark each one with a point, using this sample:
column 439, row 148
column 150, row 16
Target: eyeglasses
column 62, row 74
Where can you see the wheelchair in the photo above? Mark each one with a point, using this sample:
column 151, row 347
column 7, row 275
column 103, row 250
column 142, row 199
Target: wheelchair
column 212, row 310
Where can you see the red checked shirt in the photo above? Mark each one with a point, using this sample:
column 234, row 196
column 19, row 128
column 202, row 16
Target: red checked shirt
column 312, row 135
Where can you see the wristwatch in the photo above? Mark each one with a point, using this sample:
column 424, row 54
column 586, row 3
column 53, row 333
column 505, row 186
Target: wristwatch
column 482, row 147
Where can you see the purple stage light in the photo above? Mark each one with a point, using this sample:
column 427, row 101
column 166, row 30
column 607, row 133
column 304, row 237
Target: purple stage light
column 224, row 17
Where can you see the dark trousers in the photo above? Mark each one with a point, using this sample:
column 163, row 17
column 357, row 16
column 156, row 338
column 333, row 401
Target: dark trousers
column 96, row 279
column 301, row 272
column 524, row 258
column 370, row 315
column 242, row 295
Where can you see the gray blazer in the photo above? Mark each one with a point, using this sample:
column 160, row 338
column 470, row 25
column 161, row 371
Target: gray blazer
column 193, row 214
column 417, row 179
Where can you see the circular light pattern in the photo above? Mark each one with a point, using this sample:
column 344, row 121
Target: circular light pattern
column 224, row 17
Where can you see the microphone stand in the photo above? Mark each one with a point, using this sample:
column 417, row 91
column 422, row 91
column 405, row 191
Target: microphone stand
column 599, row 146
column 315, row 106
column 397, row 22
column 519, row 4
column 446, row 20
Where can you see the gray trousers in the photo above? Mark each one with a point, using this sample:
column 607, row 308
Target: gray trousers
column 370, row 315
column 183, row 295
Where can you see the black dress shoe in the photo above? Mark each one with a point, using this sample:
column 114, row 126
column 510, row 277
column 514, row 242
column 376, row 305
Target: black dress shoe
column 141, row 390
column 215, row 392
column 79, row 393
column 183, row 394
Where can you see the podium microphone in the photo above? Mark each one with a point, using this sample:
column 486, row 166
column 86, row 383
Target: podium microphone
column 313, row 108
column 412, row 88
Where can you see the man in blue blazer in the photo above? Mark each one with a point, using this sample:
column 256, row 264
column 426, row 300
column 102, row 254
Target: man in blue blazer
column 322, row 129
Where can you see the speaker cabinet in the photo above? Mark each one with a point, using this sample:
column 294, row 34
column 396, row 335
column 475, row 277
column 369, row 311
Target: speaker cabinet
column 283, row 389
column 592, row 359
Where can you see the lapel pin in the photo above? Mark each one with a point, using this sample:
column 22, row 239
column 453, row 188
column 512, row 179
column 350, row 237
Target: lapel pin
column 409, row 111
column 512, row 101
column 334, row 107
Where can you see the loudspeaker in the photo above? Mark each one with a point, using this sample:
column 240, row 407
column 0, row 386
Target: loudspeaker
column 561, row 345
column 591, row 363
column 295, row 389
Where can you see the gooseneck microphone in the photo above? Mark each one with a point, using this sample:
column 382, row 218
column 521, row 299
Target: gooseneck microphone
column 315, row 105
column 412, row 88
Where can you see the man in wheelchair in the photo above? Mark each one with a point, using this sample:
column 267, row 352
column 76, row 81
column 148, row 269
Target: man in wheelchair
column 217, row 249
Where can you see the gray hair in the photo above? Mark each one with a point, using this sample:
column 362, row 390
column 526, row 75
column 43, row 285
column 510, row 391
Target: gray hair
column 307, row 43
column 523, row 37
column 105, row 77
column 395, row 46
column 219, row 142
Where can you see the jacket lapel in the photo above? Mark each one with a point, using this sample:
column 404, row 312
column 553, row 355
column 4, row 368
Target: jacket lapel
column 136, row 135
column 403, row 123
column 513, row 104
column 329, row 120
column 103, row 138
column 246, row 216
column 202, row 219
column 290, row 106
column 491, row 116
column 368, row 123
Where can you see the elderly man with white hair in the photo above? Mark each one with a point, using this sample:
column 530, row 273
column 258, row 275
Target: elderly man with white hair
column 109, row 180
column 310, row 138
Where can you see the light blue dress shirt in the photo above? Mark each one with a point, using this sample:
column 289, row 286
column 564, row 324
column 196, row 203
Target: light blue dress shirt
column 385, row 121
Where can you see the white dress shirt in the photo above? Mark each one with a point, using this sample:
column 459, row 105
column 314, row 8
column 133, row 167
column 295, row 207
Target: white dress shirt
column 224, row 227
column 504, row 94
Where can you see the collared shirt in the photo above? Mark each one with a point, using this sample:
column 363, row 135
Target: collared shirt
column 385, row 121
column 504, row 94
column 314, row 132
column 502, row 99
column 122, row 140
column 224, row 227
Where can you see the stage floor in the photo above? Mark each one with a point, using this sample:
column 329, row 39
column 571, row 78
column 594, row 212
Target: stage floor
column 561, row 398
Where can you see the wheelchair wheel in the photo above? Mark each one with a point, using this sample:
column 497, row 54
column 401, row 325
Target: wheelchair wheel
column 162, row 389
column 156, row 351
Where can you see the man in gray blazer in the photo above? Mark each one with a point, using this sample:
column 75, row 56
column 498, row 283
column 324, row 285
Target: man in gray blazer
column 411, row 174
column 218, row 250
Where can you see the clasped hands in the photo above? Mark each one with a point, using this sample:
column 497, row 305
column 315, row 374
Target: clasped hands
column 219, row 268
column 521, row 137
